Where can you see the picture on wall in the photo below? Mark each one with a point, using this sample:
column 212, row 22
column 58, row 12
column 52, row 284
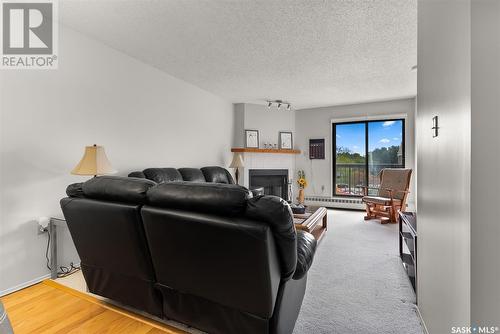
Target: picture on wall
column 252, row 138
column 286, row 140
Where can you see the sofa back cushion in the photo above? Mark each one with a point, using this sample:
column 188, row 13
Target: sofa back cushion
column 221, row 199
column 192, row 175
column 217, row 174
column 161, row 175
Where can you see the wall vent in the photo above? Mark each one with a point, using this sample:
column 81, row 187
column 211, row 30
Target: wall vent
column 336, row 202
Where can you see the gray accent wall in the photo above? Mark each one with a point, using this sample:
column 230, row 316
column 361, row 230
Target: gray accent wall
column 485, row 183
column 444, row 164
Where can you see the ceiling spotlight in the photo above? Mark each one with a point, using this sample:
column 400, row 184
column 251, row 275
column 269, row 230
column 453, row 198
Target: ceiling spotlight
column 279, row 105
column 269, row 104
column 288, row 107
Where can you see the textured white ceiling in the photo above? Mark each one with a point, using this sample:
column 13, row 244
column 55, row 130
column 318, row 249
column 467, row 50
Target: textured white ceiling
column 311, row 53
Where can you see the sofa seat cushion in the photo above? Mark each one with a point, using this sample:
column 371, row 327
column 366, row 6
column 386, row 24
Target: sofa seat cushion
column 306, row 247
column 161, row 175
column 380, row 200
column 216, row 198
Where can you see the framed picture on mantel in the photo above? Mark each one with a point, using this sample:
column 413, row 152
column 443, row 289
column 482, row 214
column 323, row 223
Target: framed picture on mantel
column 252, row 138
column 286, row 140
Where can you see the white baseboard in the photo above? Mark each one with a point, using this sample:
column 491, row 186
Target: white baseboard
column 24, row 285
column 422, row 321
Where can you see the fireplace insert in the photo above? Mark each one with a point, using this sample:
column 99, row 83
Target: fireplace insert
column 274, row 181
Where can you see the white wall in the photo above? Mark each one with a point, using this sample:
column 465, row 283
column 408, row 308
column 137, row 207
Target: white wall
column 142, row 116
column 316, row 123
column 444, row 164
column 485, row 99
column 269, row 122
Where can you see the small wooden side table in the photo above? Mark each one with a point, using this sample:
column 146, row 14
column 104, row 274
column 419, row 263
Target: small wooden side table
column 314, row 221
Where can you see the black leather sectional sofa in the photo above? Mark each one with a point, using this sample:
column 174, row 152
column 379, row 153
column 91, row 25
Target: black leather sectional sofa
column 213, row 174
column 206, row 254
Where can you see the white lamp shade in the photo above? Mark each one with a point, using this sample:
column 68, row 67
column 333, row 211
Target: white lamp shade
column 94, row 162
column 237, row 161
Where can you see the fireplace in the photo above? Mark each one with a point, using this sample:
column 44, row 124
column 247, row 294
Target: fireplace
column 274, row 181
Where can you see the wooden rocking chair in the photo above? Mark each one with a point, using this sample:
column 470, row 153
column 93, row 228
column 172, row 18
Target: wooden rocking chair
column 391, row 197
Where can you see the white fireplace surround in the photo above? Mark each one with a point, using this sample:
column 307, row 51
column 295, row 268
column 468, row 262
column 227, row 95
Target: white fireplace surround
column 266, row 161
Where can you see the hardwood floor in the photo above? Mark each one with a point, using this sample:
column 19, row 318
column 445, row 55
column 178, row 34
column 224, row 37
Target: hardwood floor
column 49, row 307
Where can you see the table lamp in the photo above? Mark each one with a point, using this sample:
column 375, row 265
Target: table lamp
column 237, row 163
column 94, row 162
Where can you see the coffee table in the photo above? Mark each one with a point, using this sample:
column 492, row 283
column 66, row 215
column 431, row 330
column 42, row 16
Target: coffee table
column 314, row 221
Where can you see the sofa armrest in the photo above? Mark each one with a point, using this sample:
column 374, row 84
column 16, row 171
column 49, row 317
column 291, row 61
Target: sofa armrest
column 137, row 174
column 306, row 248
column 75, row 190
column 277, row 214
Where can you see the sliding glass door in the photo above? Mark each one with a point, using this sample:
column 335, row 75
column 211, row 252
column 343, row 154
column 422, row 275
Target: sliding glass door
column 350, row 158
column 362, row 150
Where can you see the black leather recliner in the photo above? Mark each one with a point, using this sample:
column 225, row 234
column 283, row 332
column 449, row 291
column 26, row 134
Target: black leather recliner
column 104, row 220
column 205, row 254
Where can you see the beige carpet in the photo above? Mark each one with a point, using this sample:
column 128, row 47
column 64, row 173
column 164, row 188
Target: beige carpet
column 357, row 283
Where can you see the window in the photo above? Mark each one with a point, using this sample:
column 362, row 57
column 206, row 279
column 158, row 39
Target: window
column 362, row 150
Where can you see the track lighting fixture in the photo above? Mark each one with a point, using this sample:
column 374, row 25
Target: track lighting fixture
column 278, row 104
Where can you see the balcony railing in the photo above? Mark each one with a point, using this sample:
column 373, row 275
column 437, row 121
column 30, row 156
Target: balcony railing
column 351, row 178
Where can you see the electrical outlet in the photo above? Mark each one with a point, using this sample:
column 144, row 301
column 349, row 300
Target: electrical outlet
column 42, row 230
column 43, row 224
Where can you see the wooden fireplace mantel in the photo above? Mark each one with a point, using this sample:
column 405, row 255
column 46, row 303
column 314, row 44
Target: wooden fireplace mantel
column 264, row 150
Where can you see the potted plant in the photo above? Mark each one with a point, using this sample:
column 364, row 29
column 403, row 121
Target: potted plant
column 302, row 182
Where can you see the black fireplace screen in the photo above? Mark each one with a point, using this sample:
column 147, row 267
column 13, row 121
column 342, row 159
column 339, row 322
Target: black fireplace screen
column 274, row 181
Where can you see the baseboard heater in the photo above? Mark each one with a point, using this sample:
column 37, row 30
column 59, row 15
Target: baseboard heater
column 335, row 202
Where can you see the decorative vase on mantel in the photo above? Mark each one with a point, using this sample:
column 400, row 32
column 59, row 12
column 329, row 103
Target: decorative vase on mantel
column 301, row 196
